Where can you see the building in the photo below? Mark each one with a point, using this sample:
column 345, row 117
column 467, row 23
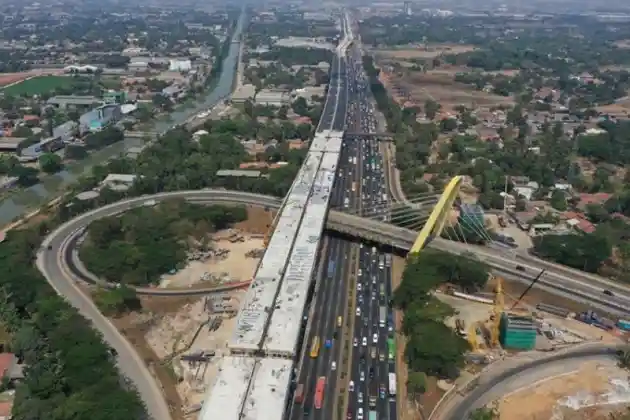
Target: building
column 10, row 144
column 179, row 65
column 407, row 8
column 172, row 92
column 271, row 97
column 244, row 93
column 517, row 331
column 66, row 131
column 47, row 145
column 62, row 101
column 99, row 118
column 119, row 182
column 115, row 97
column 80, row 69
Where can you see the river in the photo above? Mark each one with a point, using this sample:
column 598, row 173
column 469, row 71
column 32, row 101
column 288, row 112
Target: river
column 53, row 186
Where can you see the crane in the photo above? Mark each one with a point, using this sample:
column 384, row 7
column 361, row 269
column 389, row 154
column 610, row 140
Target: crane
column 497, row 309
column 526, row 291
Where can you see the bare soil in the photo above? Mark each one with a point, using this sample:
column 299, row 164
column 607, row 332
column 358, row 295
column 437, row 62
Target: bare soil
column 440, row 86
column 424, row 51
column 597, row 384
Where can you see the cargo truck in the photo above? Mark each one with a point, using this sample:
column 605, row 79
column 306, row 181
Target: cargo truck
column 382, row 316
column 372, row 415
column 373, row 395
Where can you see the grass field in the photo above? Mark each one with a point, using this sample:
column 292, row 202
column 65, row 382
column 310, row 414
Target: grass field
column 37, row 85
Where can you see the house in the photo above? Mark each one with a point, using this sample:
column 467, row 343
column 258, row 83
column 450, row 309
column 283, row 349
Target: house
column 179, row 65
column 10, row 368
column 119, row 182
column 527, row 190
column 272, row 97
column 597, row 198
column 172, row 92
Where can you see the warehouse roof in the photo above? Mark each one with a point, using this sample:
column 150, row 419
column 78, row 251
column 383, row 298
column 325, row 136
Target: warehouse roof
column 227, row 394
column 269, row 390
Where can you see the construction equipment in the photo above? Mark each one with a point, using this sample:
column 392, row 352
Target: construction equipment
column 526, row 291
column 497, row 309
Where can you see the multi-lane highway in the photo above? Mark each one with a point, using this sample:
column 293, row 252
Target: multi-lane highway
column 373, row 338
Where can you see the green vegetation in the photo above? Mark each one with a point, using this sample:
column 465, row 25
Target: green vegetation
column 484, row 413
column 433, row 348
column 50, row 163
column 142, row 244
column 38, row 85
column 117, row 301
column 69, row 370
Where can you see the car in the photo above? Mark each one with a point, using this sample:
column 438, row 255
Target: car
column 365, row 322
column 351, row 386
column 381, row 357
column 328, row 343
column 364, row 342
column 333, row 366
column 520, row 268
column 349, row 415
column 362, row 376
column 360, row 398
column 355, row 342
column 360, row 414
column 608, row 292
column 360, row 298
column 373, row 279
column 359, row 287
column 373, row 353
column 371, row 372
column 375, row 338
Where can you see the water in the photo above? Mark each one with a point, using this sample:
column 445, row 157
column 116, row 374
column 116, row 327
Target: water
column 52, row 186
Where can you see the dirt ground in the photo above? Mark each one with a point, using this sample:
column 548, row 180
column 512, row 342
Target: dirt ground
column 440, row 86
column 424, row 51
column 592, row 392
column 234, row 267
column 176, row 334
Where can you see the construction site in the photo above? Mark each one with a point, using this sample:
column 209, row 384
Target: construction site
column 500, row 327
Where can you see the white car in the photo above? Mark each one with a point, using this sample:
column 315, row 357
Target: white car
column 360, row 414
column 373, row 279
column 358, row 311
column 362, row 376
column 360, row 398
column 333, row 366
column 359, row 287
column 351, row 386
column 364, row 342
column 355, row 342
column 375, row 338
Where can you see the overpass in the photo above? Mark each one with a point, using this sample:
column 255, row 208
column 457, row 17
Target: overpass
column 560, row 279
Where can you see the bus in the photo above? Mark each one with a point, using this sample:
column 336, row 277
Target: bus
column 315, row 347
column 391, row 347
column 392, row 384
column 319, row 392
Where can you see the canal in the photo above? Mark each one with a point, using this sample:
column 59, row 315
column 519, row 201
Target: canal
column 53, row 186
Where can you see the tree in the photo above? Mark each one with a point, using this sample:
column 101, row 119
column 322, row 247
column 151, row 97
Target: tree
column 117, row 301
column 484, row 413
column 431, row 108
column 558, row 200
column 417, row 383
column 50, row 163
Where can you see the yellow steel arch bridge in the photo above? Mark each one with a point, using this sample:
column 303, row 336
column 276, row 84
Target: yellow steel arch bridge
column 435, row 224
